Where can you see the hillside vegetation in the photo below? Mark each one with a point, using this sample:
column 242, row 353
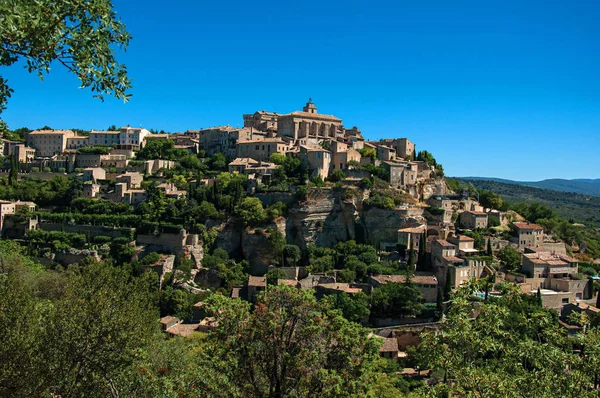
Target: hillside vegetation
column 569, row 205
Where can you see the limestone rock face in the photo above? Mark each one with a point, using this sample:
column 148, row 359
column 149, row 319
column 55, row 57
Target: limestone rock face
column 257, row 250
column 230, row 237
column 381, row 225
column 324, row 219
column 433, row 187
column 331, row 216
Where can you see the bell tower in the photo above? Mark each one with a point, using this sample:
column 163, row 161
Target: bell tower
column 310, row 107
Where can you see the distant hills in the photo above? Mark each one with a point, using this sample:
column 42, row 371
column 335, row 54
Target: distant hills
column 584, row 186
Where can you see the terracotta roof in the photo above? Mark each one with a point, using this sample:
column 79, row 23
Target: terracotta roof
column 235, row 292
column 453, row 259
column 168, row 319
column 444, row 243
column 312, row 116
column 526, row 225
column 418, row 279
column 51, row 132
column 413, row 230
column 287, row 282
column 343, row 287
column 243, row 161
column 464, row 238
column 390, row 344
column 258, row 281
column 476, row 213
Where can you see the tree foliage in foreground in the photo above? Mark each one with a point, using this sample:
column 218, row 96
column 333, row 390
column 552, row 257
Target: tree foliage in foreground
column 72, row 333
column 288, row 346
column 513, row 347
column 81, row 35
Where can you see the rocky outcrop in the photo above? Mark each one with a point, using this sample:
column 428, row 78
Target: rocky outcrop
column 257, row 250
column 229, row 238
column 325, row 218
column 433, row 187
column 381, row 225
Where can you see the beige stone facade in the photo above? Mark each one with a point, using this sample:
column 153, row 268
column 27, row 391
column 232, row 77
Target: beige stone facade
column 309, row 123
column 77, row 142
column 48, row 143
column 23, row 153
column 105, row 138
column 261, row 150
column 262, row 121
column 316, row 159
column 528, row 235
column 474, row 219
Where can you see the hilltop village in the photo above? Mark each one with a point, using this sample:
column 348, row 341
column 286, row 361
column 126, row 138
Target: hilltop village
column 293, row 199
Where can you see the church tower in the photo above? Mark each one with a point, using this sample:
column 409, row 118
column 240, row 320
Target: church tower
column 310, row 107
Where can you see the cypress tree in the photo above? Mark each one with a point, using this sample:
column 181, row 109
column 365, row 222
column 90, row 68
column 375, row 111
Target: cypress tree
column 539, row 297
column 13, row 174
column 411, row 257
column 489, row 247
column 447, row 286
column 440, row 302
column 421, row 260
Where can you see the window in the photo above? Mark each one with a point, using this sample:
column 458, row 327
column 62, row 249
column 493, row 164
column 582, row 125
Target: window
column 565, row 300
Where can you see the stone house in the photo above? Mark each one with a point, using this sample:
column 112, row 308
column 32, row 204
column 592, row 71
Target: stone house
column 261, row 149
column 261, row 120
column 411, row 236
column 90, row 189
column 473, row 219
column 239, row 165
column 316, row 158
column 94, row 174
column 48, row 142
column 255, row 285
column 24, row 154
column 528, row 235
column 132, row 179
column 385, row 153
column 341, row 154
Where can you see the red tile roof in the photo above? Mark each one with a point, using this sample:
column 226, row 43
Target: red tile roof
column 526, row 225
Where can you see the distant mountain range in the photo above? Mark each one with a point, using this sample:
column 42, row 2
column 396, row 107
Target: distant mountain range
column 584, row 186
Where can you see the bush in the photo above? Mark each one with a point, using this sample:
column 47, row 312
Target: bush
column 35, row 169
column 47, row 170
column 383, row 202
column 151, row 258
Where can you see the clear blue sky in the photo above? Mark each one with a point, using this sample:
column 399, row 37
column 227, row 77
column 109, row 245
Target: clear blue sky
column 505, row 89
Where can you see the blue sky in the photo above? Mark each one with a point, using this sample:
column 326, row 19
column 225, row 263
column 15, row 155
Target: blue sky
column 505, row 89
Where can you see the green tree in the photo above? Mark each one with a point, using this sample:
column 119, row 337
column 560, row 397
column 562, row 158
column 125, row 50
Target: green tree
column 80, row 35
column 490, row 200
column 250, row 212
column 291, row 255
column 289, row 345
column 513, row 347
column 278, row 158
column 336, row 175
column 396, row 300
column 421, row 266
column 273, row 275
column 354, row 307
column 509, row 257
column 278, row 243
